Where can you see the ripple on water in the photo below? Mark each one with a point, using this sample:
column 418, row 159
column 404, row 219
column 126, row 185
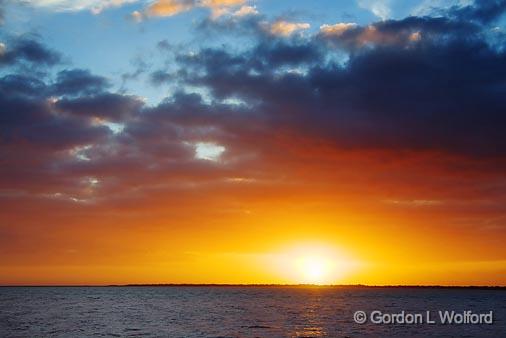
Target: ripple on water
column 232, row 312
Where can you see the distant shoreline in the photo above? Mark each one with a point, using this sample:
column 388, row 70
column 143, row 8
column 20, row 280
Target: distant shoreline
column 354, row 286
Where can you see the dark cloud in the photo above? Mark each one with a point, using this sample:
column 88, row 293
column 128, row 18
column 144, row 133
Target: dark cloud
column 140, row 67
column 28, row 50
column 281, row 53
column 18, row 84
column 113, row 107
column 79, row 81
column 246, row 27
column 441, row 89
column 31, row 122
column 55, row 138
column 400, row 33
column 480, row 11
column 159, row 77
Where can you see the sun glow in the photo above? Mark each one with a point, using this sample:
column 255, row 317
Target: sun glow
column 313, row 269
column 314, row 264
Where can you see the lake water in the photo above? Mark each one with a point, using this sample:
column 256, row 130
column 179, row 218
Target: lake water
column 239, row 311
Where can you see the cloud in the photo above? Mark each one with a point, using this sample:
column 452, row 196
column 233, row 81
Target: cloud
column 286, row 28
column 380, row 8
column 165, row 8
column 400, row 33
column 391, row 96
column 78, row 81
column 337, row 29
column 432, row 7
column 482, row 12
column 170, row 7
column 95, row 6
column 29, row 123
column 22, row 85
column 245, row 11
column 137, row 16
column 161, row 8
column 109, row 106
column 27, row 50
column 245, row 20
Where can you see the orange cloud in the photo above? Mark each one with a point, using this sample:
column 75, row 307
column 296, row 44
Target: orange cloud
column 174, row 7
column 352, row 35
column 286, row 28
column 337, row 29
column 169, row 7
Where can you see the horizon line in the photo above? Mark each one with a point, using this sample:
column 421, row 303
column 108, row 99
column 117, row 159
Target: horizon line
column 428, row 286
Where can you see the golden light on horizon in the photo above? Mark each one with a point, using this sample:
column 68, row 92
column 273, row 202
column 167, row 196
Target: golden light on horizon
column 314, row 263
column 313, row 269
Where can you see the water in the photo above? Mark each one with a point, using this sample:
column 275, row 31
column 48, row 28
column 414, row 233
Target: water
column 236, row 311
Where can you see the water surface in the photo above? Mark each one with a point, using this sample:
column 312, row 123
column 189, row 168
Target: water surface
column 236, row 311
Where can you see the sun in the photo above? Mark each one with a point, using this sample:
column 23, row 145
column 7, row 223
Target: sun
column 313, row 269
column 316, row 263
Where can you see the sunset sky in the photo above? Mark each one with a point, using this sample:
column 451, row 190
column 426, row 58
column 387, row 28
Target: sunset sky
column 243, row 141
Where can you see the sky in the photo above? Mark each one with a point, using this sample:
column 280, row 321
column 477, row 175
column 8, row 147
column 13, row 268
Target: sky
column 243, row 141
